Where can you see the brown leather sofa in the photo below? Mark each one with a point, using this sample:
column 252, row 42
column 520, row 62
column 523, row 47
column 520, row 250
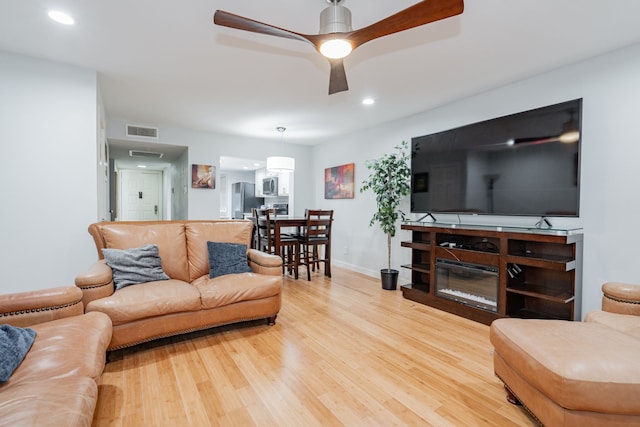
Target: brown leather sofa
column 575, row 373
column 189, row 300
column 55, row 385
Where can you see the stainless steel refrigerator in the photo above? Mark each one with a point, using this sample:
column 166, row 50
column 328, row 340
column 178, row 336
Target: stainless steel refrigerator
column 243, row 198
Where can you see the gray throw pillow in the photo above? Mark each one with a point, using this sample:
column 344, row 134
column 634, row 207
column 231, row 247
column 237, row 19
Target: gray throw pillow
column 227, row 258
column 15, row 343
column 135, row 265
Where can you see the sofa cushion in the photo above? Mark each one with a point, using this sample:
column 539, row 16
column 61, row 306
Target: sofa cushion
column 148, row 300
column 630, row 325
column 227, row 258
column 169, row 237
column 72, row 346
column 68, row 402
column 199, row 233
column 135, row 265
column 580, row 366
column 232, row 288
column 14, row 345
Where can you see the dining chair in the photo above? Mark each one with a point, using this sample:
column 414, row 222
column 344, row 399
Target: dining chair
column 255, row 237
column 266, row 240
column 316, row 241
column 262, row 231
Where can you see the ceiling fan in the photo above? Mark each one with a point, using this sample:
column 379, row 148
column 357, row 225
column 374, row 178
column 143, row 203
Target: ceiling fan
column 337, row 39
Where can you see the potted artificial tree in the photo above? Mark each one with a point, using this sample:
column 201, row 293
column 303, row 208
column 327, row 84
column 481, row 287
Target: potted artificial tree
column 389, row 180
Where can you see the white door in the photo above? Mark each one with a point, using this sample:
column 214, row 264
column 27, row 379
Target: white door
column 140, row 195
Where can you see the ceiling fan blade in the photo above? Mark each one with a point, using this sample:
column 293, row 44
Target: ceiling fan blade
column 227, row 19
column 535, row 140
column 414, row 16
column 338, row 77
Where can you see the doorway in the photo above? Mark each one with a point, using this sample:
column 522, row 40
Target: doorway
column 234, row 170
column 140, row 195
column 168, row 161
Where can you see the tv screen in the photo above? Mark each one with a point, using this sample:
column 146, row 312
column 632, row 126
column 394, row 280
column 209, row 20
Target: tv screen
column 522, row 164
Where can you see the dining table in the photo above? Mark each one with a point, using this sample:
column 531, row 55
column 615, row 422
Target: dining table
column 280, row 223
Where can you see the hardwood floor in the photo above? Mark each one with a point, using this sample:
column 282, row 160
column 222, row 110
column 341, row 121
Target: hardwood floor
column 343, row 352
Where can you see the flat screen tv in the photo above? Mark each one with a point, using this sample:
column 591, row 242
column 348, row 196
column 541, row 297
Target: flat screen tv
column 522, row 164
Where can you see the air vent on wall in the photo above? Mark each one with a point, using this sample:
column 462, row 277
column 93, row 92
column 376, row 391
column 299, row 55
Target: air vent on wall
column 146, row 154
column 141, row 131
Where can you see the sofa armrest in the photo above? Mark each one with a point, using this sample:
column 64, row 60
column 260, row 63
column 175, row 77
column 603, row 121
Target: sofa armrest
column 264, row 263
column 29, row 308
column 622, row 298
column 96, row 282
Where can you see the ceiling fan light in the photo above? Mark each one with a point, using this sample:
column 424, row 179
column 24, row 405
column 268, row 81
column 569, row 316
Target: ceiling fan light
column 336, row 48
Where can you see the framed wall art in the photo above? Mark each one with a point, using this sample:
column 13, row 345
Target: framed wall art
column 203, row 176
column 338, row 182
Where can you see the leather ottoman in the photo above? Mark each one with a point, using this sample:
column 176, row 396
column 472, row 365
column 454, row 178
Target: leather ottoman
column 569, row 373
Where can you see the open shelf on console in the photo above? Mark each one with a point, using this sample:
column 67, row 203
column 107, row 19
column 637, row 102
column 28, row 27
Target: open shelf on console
column 542, row 292
column 534, row 307
column 425, row 246
column 423, row 268
column 531, row 314
column 416, row 286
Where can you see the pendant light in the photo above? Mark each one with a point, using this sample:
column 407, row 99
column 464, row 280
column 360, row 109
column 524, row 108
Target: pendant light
column 276, row 164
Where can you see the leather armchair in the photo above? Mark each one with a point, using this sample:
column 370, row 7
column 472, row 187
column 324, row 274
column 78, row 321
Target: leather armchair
column 55, row 385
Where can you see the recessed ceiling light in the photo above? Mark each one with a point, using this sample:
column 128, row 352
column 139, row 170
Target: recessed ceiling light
column 368, row 101
column 142, row 166
column 61, row 17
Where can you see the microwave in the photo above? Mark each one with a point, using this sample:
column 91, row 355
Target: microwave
column 270, row 186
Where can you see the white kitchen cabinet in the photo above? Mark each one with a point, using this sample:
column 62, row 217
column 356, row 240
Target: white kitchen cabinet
column 260, row 175
column 283, row 183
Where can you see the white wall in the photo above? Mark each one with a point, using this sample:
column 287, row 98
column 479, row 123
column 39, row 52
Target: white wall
column 180, row 176
column 206, row 148
column 48, row 179
column 48, row 169
column 610, row 88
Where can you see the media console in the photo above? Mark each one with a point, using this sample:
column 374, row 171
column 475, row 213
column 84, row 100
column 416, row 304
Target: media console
column 484, row 273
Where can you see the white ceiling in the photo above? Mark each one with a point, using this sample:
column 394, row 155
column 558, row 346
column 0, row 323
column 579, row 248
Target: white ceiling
column 241, row 164
column 164, row 62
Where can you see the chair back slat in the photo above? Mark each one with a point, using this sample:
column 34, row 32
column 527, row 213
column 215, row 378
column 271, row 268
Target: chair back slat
column 317, row 235
column 319, row 224
column 265, row 228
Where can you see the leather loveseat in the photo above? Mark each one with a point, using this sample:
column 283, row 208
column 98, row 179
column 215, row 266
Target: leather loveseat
column 189, row 300
column 575, row 373
column 55, row 383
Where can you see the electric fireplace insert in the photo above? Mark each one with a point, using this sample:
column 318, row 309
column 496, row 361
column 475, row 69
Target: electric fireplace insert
column 471, row 284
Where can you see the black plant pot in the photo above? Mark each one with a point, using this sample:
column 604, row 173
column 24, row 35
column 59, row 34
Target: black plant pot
column 389, row 279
